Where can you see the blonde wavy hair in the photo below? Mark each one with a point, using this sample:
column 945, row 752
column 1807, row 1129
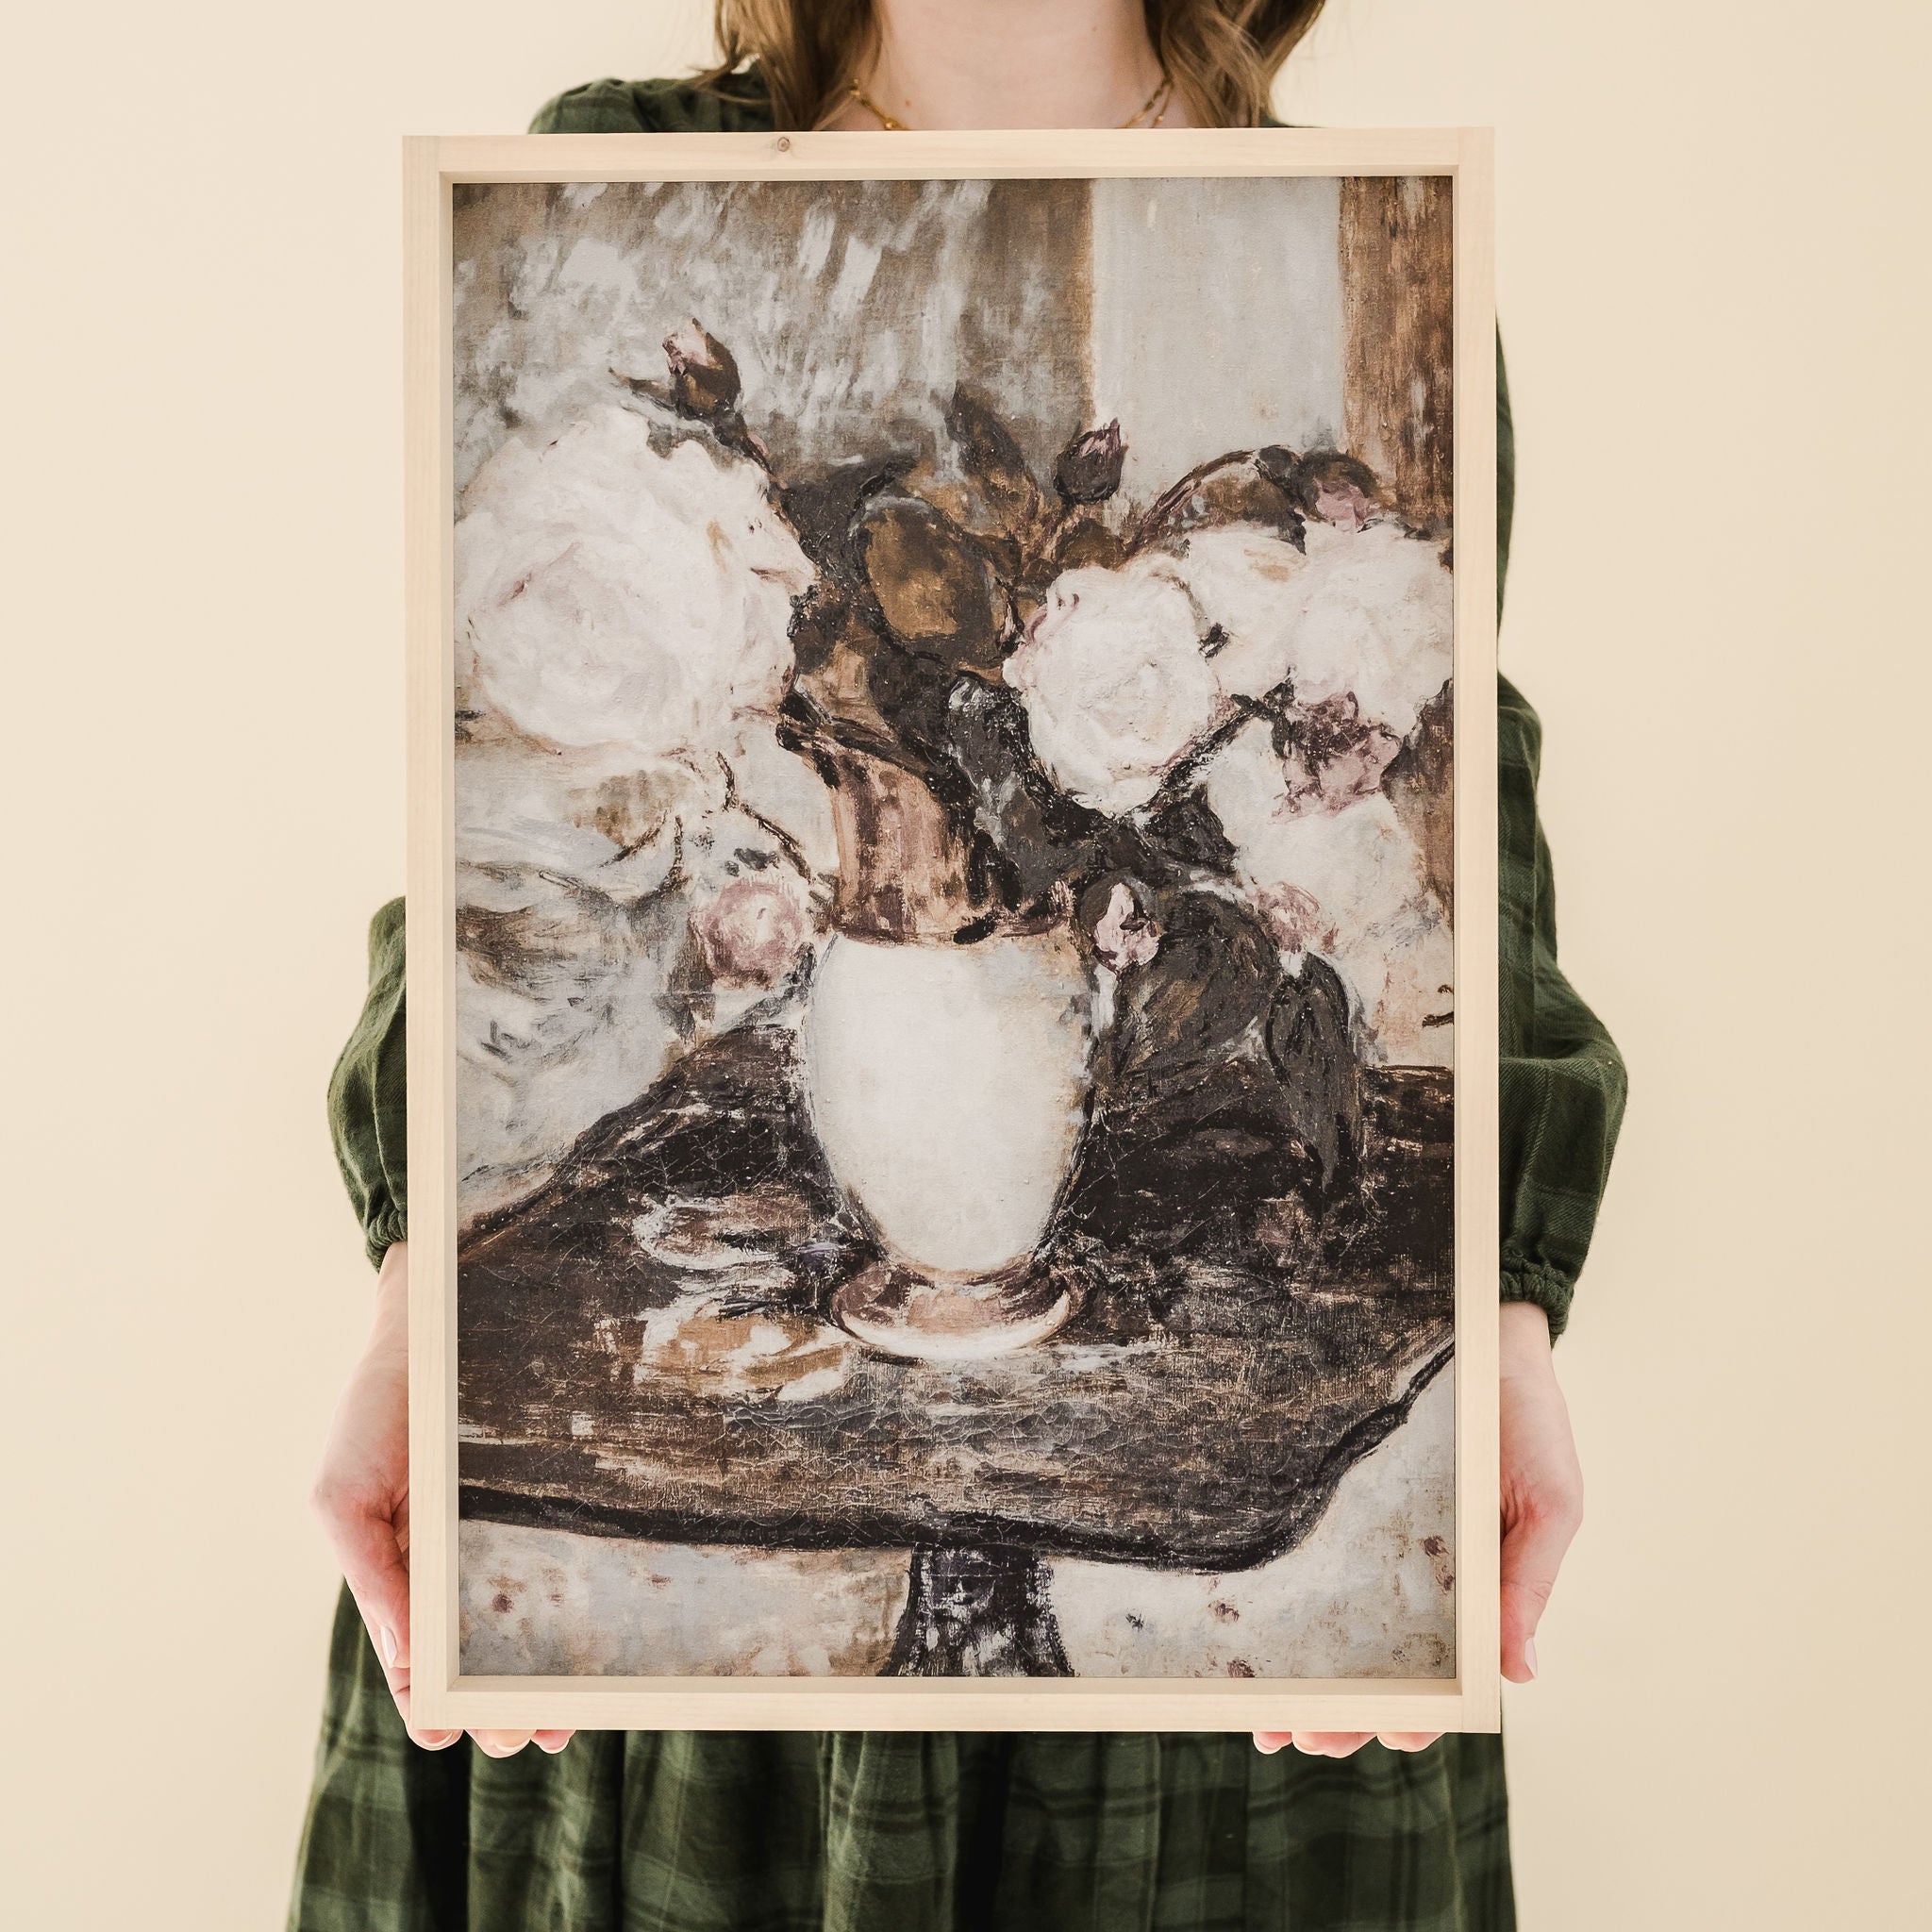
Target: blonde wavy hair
column 1221, row 55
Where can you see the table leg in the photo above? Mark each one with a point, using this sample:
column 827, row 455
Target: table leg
column 977, row 1612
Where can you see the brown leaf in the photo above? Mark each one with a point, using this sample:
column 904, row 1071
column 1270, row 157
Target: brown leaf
column 936, row 590
column 833, row 680
column 704, row 373
column 1086, row 543
column 991, row 459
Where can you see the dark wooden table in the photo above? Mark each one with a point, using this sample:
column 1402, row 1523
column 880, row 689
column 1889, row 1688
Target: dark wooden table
column 642, row 1349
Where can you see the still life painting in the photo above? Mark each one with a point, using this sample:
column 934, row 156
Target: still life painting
column 954, row 908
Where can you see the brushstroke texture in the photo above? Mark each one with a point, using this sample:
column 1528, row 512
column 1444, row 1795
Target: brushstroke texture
column 807, row 603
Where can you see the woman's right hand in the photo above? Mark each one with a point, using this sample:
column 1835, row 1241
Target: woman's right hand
column 361, row 1494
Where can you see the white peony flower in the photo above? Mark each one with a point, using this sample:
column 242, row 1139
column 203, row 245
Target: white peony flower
column 1369, row 611
column 561, row 1015
column 612, row 593
column 583, row 878
column 1243, row 579
column 1114, row 682
column 1348, row 884
column 785, row 790
column 599, row 817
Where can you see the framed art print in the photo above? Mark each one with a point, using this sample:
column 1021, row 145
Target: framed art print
column 952, row 931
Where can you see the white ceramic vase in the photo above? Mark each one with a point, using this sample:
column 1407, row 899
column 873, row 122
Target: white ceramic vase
column 949, row 1087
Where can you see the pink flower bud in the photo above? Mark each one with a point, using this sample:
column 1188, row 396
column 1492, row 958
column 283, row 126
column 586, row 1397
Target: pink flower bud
column 753, row 932
column 1340, row 489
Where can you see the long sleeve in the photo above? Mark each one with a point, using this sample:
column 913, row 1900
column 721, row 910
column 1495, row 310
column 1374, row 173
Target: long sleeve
column 1562, row 1080
column 368, row 1095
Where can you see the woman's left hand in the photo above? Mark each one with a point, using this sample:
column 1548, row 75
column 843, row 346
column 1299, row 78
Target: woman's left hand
column 1542, row 1506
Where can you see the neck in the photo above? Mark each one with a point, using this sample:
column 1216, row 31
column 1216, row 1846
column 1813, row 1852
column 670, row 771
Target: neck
column 1009, row 63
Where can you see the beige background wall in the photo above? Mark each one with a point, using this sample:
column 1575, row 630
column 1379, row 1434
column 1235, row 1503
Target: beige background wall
column 1714, row 291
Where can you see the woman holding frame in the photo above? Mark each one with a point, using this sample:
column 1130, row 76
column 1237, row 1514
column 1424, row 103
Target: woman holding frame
column 908, row 1830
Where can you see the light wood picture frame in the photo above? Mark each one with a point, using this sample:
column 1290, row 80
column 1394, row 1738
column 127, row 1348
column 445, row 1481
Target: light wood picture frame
column 1416, row 213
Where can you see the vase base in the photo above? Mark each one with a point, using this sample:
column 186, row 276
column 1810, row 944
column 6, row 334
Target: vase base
column 905, row 1314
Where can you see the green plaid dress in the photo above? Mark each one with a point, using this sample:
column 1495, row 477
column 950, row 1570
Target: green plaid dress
column 893, row 1832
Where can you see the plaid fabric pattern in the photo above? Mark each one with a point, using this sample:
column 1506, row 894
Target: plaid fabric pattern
column 1561, row 1081
column 888, row 1832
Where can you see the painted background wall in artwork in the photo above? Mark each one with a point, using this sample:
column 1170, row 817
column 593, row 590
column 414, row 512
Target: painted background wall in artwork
column 1198, row 351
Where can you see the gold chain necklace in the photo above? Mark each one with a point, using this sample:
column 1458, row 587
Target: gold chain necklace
column 1159, row 99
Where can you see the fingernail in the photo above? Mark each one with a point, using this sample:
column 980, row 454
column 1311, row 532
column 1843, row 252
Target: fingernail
column 551, row 1750
column 387, row 1638
column 1529, row 1654
column 434, row 1740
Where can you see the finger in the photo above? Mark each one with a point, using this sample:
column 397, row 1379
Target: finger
column 1532, row 1548
column 1407, row 1740
column 1330, row 1743
column 1269, row 1743
column 501, row 1744
column 428, row 1737
column 552, row 1742
column 379, row 1578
